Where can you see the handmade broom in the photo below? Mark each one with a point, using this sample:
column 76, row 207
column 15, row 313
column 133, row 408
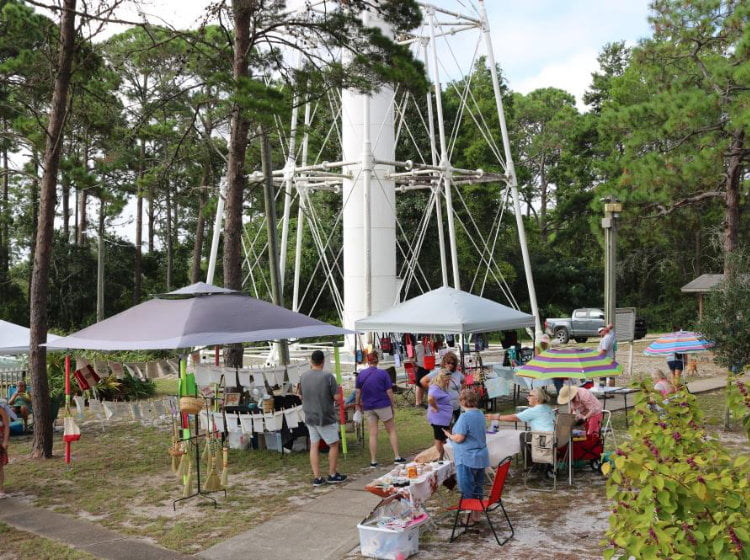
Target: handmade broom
column 224, row 470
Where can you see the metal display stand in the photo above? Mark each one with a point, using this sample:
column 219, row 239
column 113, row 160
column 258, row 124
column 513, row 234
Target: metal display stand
column 199, row 492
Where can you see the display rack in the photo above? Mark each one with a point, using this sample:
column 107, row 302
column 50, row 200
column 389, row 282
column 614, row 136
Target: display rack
column 199, row 493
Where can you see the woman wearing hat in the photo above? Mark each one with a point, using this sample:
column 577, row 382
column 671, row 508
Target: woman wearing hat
column 584, row 405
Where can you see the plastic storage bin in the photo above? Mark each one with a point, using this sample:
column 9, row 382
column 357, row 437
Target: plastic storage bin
column 273, row 440
column 387, row 544
column 391, row 543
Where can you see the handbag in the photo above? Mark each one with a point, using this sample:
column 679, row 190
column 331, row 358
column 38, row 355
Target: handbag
column 409, row 346
column 385, row 344
column 429, row 355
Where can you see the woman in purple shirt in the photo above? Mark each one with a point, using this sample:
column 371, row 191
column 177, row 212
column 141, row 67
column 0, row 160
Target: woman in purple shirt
column 439, row 410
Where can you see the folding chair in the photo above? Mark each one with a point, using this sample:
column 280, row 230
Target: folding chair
column 486, row 505
column 411, row 382
column 545, row 449
column 606, row 431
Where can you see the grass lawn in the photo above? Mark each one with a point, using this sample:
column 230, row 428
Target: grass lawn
column 121, row 478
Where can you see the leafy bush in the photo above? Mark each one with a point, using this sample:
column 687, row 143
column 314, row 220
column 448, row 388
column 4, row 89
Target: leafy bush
column 677, row 492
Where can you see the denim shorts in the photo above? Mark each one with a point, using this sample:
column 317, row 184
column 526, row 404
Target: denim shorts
column 470, row 481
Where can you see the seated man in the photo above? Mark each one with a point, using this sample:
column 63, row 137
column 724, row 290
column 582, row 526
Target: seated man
column 20, row 401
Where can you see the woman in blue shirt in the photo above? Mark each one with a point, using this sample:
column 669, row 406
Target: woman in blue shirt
column 470, row 453
column 539, row 416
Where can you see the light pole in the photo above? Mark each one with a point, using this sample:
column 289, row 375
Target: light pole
column 612, row 209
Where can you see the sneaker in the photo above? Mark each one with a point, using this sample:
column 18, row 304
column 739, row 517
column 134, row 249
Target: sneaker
column 373, row 465
column 320, row 481
column 399, row 460
column 336, row 478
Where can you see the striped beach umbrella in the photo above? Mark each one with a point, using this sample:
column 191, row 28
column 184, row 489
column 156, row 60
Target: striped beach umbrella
column 683, row 342
column 579, row 363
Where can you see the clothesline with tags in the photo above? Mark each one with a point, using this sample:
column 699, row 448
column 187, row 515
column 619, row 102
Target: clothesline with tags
column 207, row 375
column 252, row 423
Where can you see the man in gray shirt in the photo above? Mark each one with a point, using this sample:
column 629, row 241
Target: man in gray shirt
column 319, row 391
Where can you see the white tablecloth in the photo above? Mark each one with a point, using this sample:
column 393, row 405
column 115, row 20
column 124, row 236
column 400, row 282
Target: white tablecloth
column 421, row 488
column 502, row 444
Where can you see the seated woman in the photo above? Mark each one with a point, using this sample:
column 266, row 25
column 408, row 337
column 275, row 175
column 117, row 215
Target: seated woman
column 539, row 416
column 662, row 383
column 584, row 405
column 21, row 403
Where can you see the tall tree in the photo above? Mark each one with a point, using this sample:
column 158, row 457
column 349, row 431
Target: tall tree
column 680, row 113
column 42, row 444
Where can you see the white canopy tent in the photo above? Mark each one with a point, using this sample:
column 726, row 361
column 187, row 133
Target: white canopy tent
column 446, row 311
column 14, row 339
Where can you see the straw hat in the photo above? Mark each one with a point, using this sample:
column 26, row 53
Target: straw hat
column 567, row 393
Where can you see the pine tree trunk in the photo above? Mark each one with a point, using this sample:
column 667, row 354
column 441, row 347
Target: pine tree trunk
column 42, row 443
column 200, row 228
column 138, row 264
column 732, row 211
column 236, row 181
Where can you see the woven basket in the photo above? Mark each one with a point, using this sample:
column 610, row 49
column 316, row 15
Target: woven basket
column 191, row 405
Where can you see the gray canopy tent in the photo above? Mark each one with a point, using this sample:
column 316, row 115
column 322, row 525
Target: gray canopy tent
column 197, row 315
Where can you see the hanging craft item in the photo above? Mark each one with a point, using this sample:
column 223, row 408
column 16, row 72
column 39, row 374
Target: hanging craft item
column 71, row 431
column 191, row 405
column 86, row 377
column 429, row 354
column 225, row 464
column 212, row 482
column 188, row 480
column 385, row 344
column 409, row 346
column 176, row 451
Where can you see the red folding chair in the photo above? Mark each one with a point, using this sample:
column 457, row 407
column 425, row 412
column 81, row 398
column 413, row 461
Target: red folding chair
column 411, row 382
column 486, row 505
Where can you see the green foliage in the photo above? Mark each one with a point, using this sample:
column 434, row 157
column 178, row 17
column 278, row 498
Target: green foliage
column 726, row 316
column 677, row 491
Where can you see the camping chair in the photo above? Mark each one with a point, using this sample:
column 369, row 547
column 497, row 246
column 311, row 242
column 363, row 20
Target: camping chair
column 545, row 449
column 411, row 381
column 486, row 505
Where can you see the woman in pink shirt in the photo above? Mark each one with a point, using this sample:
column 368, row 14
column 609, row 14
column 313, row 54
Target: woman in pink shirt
column 584, row 405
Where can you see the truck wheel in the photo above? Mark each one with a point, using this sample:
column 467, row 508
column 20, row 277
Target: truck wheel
column 562, row 335
column 581, row 339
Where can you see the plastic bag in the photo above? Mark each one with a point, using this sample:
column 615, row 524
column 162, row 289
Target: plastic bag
column 357, row 418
